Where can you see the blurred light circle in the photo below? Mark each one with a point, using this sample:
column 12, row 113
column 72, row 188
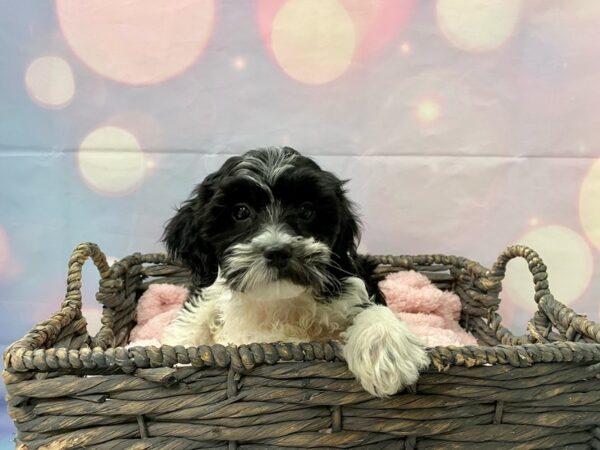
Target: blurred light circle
column 4, row 251
column 569, row 261
column 313, row 40
column 428, row 111
column 378, row 22
column 589, row 204
column 583, row 9
column 456, row 115
column 111, row 161
column 137, row 41
column 239, row 63
column 406, row 48
column 50, row 82
column 478, row 25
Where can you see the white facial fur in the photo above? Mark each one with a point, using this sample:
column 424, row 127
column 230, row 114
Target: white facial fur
column 257, row 277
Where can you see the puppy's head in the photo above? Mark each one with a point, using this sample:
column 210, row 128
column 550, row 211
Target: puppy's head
column 273, row 222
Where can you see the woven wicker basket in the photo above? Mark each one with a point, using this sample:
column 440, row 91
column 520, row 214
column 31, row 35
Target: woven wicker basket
column 67, row 389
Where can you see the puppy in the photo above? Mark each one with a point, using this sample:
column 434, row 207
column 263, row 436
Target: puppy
column 271, row 240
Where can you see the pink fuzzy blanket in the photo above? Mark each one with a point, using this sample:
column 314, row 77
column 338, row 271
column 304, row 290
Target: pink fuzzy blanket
column 429, row 312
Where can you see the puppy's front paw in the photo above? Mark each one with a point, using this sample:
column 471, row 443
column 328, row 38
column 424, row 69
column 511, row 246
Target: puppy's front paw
column 382, row 353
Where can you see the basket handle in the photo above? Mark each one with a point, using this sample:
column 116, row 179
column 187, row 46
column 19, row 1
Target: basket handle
column 64, row 324
column 540, row 324
column 78, row 258
column 551, row 313
column 536, row 266
column 73, row 298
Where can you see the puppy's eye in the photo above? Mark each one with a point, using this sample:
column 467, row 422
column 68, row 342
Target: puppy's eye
column 306, row 211
column 241, row 212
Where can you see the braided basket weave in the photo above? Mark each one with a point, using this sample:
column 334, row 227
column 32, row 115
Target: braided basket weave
column 69, row 390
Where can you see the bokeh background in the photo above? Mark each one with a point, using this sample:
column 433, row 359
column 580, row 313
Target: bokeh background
column 464, row 125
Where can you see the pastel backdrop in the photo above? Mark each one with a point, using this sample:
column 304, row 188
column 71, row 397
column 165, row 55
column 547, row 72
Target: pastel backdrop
column 464, row 126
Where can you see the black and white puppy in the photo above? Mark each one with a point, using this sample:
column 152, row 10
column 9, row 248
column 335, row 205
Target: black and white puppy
column 271, row 241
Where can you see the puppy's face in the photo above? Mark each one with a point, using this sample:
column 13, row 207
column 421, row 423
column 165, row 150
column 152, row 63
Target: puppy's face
column 273, row 222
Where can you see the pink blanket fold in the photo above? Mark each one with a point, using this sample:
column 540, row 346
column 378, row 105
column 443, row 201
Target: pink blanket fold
column 429, row 312
column 156, row 308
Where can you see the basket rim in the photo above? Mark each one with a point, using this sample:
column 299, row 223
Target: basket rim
column 246, row 357
column 28, row 355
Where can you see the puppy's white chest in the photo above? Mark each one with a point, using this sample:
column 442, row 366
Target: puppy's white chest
column 240, row 319
column 244, row 320
column 221, row 316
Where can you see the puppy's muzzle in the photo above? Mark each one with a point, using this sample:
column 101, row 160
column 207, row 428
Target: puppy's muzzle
column 278, row 256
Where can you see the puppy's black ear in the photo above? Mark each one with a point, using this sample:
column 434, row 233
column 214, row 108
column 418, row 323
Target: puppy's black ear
column 345, row 245
column 345, row 248
column 184, row 237
column 185, row 234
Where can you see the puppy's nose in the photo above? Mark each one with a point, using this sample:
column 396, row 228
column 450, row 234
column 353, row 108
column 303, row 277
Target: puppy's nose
column 278, row 255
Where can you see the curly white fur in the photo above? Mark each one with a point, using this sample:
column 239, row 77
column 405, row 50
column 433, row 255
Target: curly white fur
column 379, row 349
column 280, row 311
column 382, row 353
